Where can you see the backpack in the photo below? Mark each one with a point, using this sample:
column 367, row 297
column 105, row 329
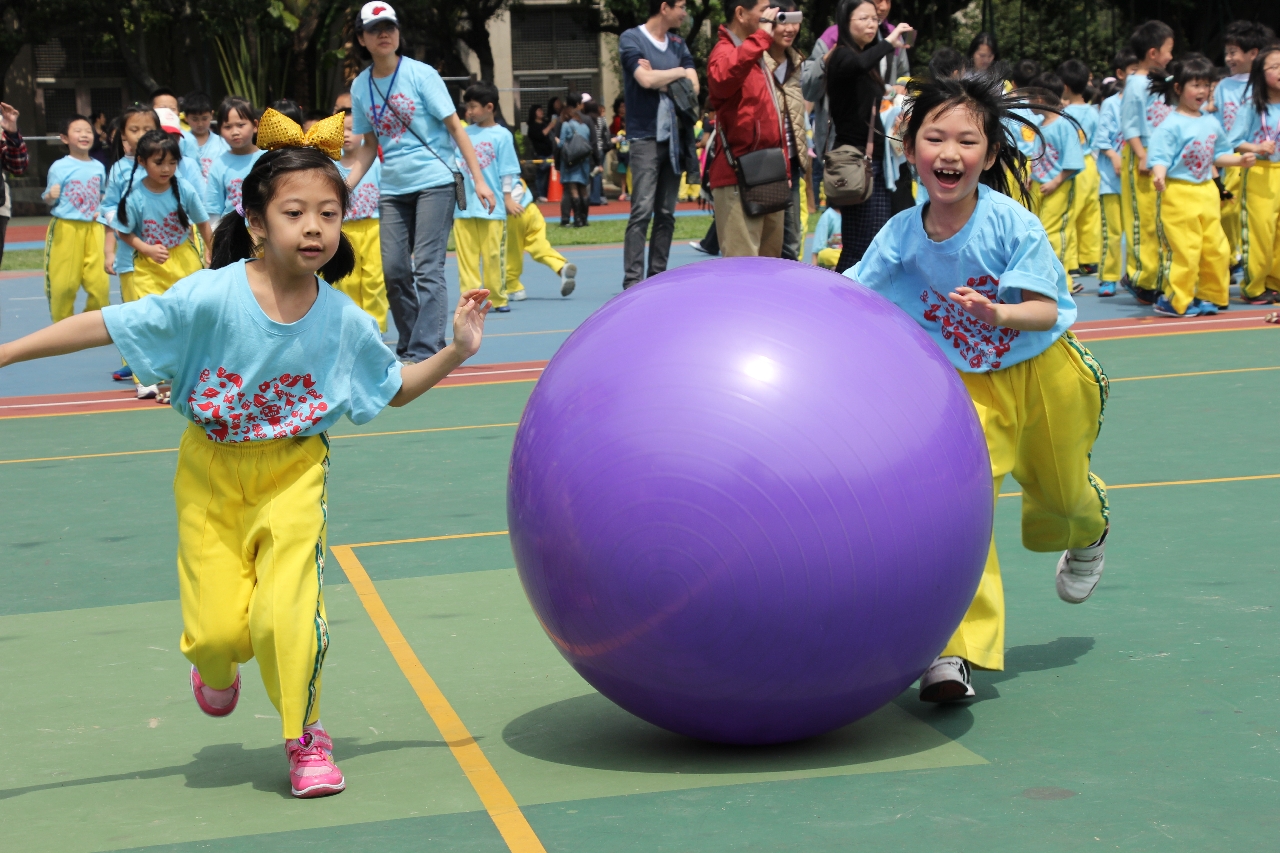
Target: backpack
column 575, row 149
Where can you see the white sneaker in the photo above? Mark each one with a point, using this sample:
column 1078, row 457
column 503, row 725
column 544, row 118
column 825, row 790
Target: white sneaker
column 148, row 392
column 517, row 295
column 946, row 680
column 1080, row 569
column 568, row 279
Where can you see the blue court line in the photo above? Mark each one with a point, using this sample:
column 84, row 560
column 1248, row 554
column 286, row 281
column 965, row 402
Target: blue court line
column 39, row 244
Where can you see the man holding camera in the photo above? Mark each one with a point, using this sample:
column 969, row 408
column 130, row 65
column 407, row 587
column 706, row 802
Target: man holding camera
column 745, row 98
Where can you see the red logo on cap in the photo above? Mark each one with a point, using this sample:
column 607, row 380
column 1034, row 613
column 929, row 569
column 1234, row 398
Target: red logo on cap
column 378, row 10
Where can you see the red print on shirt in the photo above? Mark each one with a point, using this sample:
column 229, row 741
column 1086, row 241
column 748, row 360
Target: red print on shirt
column 83, row 195
column 278, row 408
column 234, row 193
column 392, row 119
column 1229, row 115
column 1046, row 163
column 364, row 202
column 980, row 345
column 1198, row 157
column 168, row 232
column 485, row 154
column 1158, row 112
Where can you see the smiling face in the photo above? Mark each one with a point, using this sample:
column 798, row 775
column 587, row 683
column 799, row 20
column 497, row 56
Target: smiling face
column 1193, row 94
column 784, row 35
column 300, row 229
column 382, row 40
column 950, row 152
column 164, row 102
column 238, row 131
column 1160, row 58
column 1271, row 70
column 79, row 136
column 1237, row 60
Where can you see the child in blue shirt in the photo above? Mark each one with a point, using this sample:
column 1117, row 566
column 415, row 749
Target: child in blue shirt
column 1241, row 42
column 1108, row 142
column 1257, row 131
column 1184, row 149
column 135, row 122
column 827, row 239
column 237, row 122
column 477, row 232
column 977, row 272
column 73, row 243
column 365, row 285
column 1059, row 157
column 208, row 145
column 527, row 232
column 264, row 358
column 1086, row 209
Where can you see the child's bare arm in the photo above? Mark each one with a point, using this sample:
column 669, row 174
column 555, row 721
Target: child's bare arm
column 1245, row 161
column 468, row 328
column 1036, row 312
column 1158, row 174
column 80, row 331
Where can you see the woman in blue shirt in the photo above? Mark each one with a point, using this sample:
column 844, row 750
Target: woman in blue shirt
column 403, row 106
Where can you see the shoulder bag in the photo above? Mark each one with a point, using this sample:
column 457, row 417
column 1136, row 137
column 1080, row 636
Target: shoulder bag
column 846, row 171
column 763, row 183
column 575, row 148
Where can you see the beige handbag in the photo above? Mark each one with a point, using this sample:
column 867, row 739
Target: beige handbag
column 846, row 170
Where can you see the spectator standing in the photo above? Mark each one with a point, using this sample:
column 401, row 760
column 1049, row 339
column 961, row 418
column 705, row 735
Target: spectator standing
column 813, row 84
column 855, row 89
column 748, row 119
column 783, row 61
column 574, row 175
column 653, row 57
column 543, row 149
column 982, row 52
column 571, row 107
column 13, row 159
column 896, row 64
column 101, row 150
column 601, row 145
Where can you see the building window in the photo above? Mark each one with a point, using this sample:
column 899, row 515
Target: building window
column 552, row 53
column 59, row 105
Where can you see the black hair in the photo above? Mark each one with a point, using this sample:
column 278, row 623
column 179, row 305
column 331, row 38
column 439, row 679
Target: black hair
column 1023, row 72
column 984, row 95
column 361, row 51
column 152, row 143
column 655, row 7
column 242, row 108
column 1123, row 59
column 1049, row 82
column 978, row 41
column 945, row 62
column 731, row 7
column 117, row 139
column 1075, row 76
column 163, row 90
column 197, row 102
column 784, row 5
column 592, row 108
column 1180, row 72
column 552, row 109
column 317, row 115
column 288, row 108
column 482, row 92
column 232, row 242
column 844, row 12
column 574, row 101
column 1148, row 37
column 1258, row 79
column 1247, row 35
column 1108, row 88
column 618, row 102
column 66, row 125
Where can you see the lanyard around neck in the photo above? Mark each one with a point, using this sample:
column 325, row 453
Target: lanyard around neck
column 377, row 111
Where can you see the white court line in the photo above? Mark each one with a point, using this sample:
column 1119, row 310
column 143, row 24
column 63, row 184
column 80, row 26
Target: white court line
column 496, row 372
column 1182, row 324
column 68, row 403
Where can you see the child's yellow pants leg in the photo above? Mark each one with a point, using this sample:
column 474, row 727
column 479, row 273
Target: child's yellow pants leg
column 480, row 256
column 1040, row 418
column 1087, row 215
column 74, row 259
column 528, row 233
column 1111, row 266
column 1055, row 212
column 1129, row 214
column 1193, row 247
column 1140, row 227
column 150, row 278
column 1233, row 183
column 828, row 258
column 251, row 544
column 126, row 287
column 1259, row 207
column 804, row 212
column 366, row 285
column 516, row 227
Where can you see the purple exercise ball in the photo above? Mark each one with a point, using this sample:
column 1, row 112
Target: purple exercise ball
column 750, row 500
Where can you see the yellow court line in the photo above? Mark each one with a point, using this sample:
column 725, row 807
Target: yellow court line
column 88, row 456
column 427, row 539
column 1196, row 373
column 417, row 431
column 498, row 802
column 1111, row 487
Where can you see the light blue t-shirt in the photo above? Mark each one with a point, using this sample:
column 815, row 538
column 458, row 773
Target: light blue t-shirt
column 1252, row 126
column 82, row 183
column 1187, row 146
column 496, row 150
column 214, row 147
column 415, row 95
column 153, row 216
column 1141, row 110
column 365, row 197
column 1024, row 136
column 1001, row 251
column 828, row 226
column 222, row 190
column 1058, row 152
column 1108, row 138
column 1086, row 115
column 244, row 377
column 1228, row 96
column 117, row 182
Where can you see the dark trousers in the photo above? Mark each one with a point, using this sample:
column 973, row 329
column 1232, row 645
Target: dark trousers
column 902, row 199
column 711, row 241
column 541, row 180
column 860, row 224
column 654, row 189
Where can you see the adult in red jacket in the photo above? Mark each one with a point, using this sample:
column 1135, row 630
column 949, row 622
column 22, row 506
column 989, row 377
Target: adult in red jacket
column 745, row 101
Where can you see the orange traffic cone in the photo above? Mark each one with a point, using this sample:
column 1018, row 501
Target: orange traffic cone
column 554, row 191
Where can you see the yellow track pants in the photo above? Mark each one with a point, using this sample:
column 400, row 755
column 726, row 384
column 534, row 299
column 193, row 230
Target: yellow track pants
column 251, row 540
column 366, row 285
column 72, row 260
column 480, row 250
column 1259, row 236
column 151, row 278
column 1040, row 418
column 528, row 233
column 1087, row 216
column 1232, row 182
column 1138, row 212
column 1056, row 215
column 1111, row 267
column 828, row 258
column 1194, row 254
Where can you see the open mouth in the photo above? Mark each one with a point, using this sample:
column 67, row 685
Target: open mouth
column 947, row 178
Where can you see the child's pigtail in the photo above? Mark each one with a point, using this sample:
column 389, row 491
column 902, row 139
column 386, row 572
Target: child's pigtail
column 122, row 209
column 232, row 241
column 177, row 194
column 342, row 262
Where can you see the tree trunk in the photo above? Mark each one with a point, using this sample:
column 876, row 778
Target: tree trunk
column 135, row 56
column 301, row 78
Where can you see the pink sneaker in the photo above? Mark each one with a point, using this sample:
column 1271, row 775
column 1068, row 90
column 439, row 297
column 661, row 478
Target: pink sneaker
column 197, row 690
column 312, row 772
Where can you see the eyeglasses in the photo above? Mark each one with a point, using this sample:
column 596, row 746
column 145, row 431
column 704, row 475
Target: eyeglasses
column 864, row 19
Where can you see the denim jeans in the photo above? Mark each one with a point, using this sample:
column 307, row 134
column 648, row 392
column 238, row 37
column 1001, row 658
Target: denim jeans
column 654, row 188
column 541, row 180
column 597, row 189
column 417, row 223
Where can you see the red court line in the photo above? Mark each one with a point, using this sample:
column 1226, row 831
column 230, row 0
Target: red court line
column 25, row 233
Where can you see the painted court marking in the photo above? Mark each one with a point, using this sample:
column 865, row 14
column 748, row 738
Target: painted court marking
column 498, row 802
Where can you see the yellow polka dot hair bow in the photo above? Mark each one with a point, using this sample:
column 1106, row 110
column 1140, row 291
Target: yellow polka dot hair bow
column 277, row 130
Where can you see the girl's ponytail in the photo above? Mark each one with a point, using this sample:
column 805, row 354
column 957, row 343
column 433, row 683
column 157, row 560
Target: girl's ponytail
column 232, row 241
column 342, row 262
column 177, row 195
column 122, row 209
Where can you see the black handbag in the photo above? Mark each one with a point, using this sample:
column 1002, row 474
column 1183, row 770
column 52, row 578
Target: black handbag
column 763, row 186
column 575, row 149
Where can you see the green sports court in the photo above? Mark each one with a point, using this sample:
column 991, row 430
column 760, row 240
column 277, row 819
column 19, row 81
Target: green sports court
column 1144, row 719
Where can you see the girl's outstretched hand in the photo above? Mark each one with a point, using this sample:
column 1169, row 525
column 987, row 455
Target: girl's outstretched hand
column 468, row 321
column 975, row 304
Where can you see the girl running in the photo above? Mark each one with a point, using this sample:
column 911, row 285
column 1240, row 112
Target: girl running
column 1257, row 131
